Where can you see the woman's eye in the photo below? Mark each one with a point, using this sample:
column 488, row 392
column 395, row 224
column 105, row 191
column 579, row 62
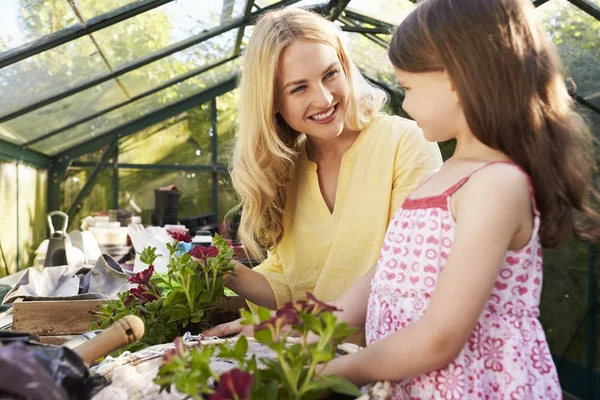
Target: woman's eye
column 331, row 74
column 298, row 89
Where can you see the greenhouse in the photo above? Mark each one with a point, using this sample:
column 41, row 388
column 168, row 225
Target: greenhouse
column 107, row 101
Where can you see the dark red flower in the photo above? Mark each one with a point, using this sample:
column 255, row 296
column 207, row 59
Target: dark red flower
column 233, row 385
column 177, row 351
column 180, row 236
column 142, row 293
column 202, row 253
column 288, row 315
column 128, row 300
column 143, row 277
column 319, row 306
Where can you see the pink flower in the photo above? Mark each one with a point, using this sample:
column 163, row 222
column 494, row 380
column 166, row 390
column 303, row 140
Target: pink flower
column 143, row 277
column 492, row 352
column 450, row 382
column 202, row 253
column 180, row 236
column 542, row 360
column 233, row 385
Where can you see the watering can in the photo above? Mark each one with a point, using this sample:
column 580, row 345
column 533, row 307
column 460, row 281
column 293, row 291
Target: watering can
column 57, row 242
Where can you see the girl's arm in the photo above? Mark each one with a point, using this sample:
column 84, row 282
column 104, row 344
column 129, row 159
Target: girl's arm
column 492, row 209
column 251, row 285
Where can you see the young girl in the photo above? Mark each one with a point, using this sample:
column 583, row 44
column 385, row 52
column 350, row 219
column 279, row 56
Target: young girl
column 451, row 307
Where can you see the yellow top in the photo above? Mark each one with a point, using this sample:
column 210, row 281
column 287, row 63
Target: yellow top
column 323, row 252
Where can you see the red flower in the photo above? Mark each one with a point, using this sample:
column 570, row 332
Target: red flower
column 142, row 294
column 177, row 351
column 202, row 253
column 143, row 277
column 233, row 385
column 287, row 315
column 319, row 306
column 180, row 236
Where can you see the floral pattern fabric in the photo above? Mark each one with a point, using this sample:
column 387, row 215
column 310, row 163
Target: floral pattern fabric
column 507, row 356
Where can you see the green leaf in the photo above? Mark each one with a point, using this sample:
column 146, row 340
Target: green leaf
column 178, row 313
column 241, row 347
column 264, row 336
column 336, row 383
column 264, row 314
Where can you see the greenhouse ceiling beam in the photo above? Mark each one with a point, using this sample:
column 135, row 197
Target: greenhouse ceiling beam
column 148, row 120
column 336, row 8
column 583, row 101
column 587, row 6
column 13, row 152
column 76, row 31
column 368, row 20
column 150, row 58
column 240, row 35
column 374, row 38
column 108, row 153
column 140, row 96
column 538, row 3
column 364, row 29
column 153, row 167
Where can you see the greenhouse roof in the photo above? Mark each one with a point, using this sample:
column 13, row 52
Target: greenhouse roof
column 77, row 74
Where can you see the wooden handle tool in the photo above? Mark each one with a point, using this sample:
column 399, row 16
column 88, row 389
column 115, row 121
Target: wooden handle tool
column 125, row 331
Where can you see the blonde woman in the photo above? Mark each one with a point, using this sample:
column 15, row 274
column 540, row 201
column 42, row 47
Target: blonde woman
column 318, row 167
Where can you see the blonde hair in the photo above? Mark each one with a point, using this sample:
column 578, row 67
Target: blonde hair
column 266, row 147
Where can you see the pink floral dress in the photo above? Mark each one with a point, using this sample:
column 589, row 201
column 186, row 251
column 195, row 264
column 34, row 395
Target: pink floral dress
column 507, row 356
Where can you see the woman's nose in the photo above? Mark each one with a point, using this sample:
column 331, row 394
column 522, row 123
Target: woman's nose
column 322, row 97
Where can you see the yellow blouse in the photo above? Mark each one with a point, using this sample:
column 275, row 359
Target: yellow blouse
column 323, row 252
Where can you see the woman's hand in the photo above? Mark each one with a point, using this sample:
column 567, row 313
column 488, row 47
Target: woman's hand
column 230, row 328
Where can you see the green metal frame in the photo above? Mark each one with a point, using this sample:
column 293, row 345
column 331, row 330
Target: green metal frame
column 76, row 31
column 587, row 6
column 12, row 152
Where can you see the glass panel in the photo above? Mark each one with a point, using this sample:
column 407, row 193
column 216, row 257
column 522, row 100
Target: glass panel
column 33, row 184
column 90, row 9
column 138, row 109
column 10, row 135
column 363, row 51
column 392, row 12
column 49, row 73
column 164, row 26
column 66, row 111
column 226, row 125
column 138, row 186
column 181, row 140
column 161, row 71
column 8, row 217
column 226, row 195
column 98, row 199
column 23, row 21
column 577, row 36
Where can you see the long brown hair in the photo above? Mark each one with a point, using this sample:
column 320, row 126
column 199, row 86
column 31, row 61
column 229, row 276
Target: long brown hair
column 508, row 77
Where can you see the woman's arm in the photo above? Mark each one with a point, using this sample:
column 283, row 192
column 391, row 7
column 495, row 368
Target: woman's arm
column 353, row 302
column 491, row 210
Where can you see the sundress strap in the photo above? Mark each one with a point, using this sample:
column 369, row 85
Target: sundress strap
column 452, row 189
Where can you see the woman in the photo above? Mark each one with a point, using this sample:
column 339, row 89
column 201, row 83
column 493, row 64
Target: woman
column 318, row 167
